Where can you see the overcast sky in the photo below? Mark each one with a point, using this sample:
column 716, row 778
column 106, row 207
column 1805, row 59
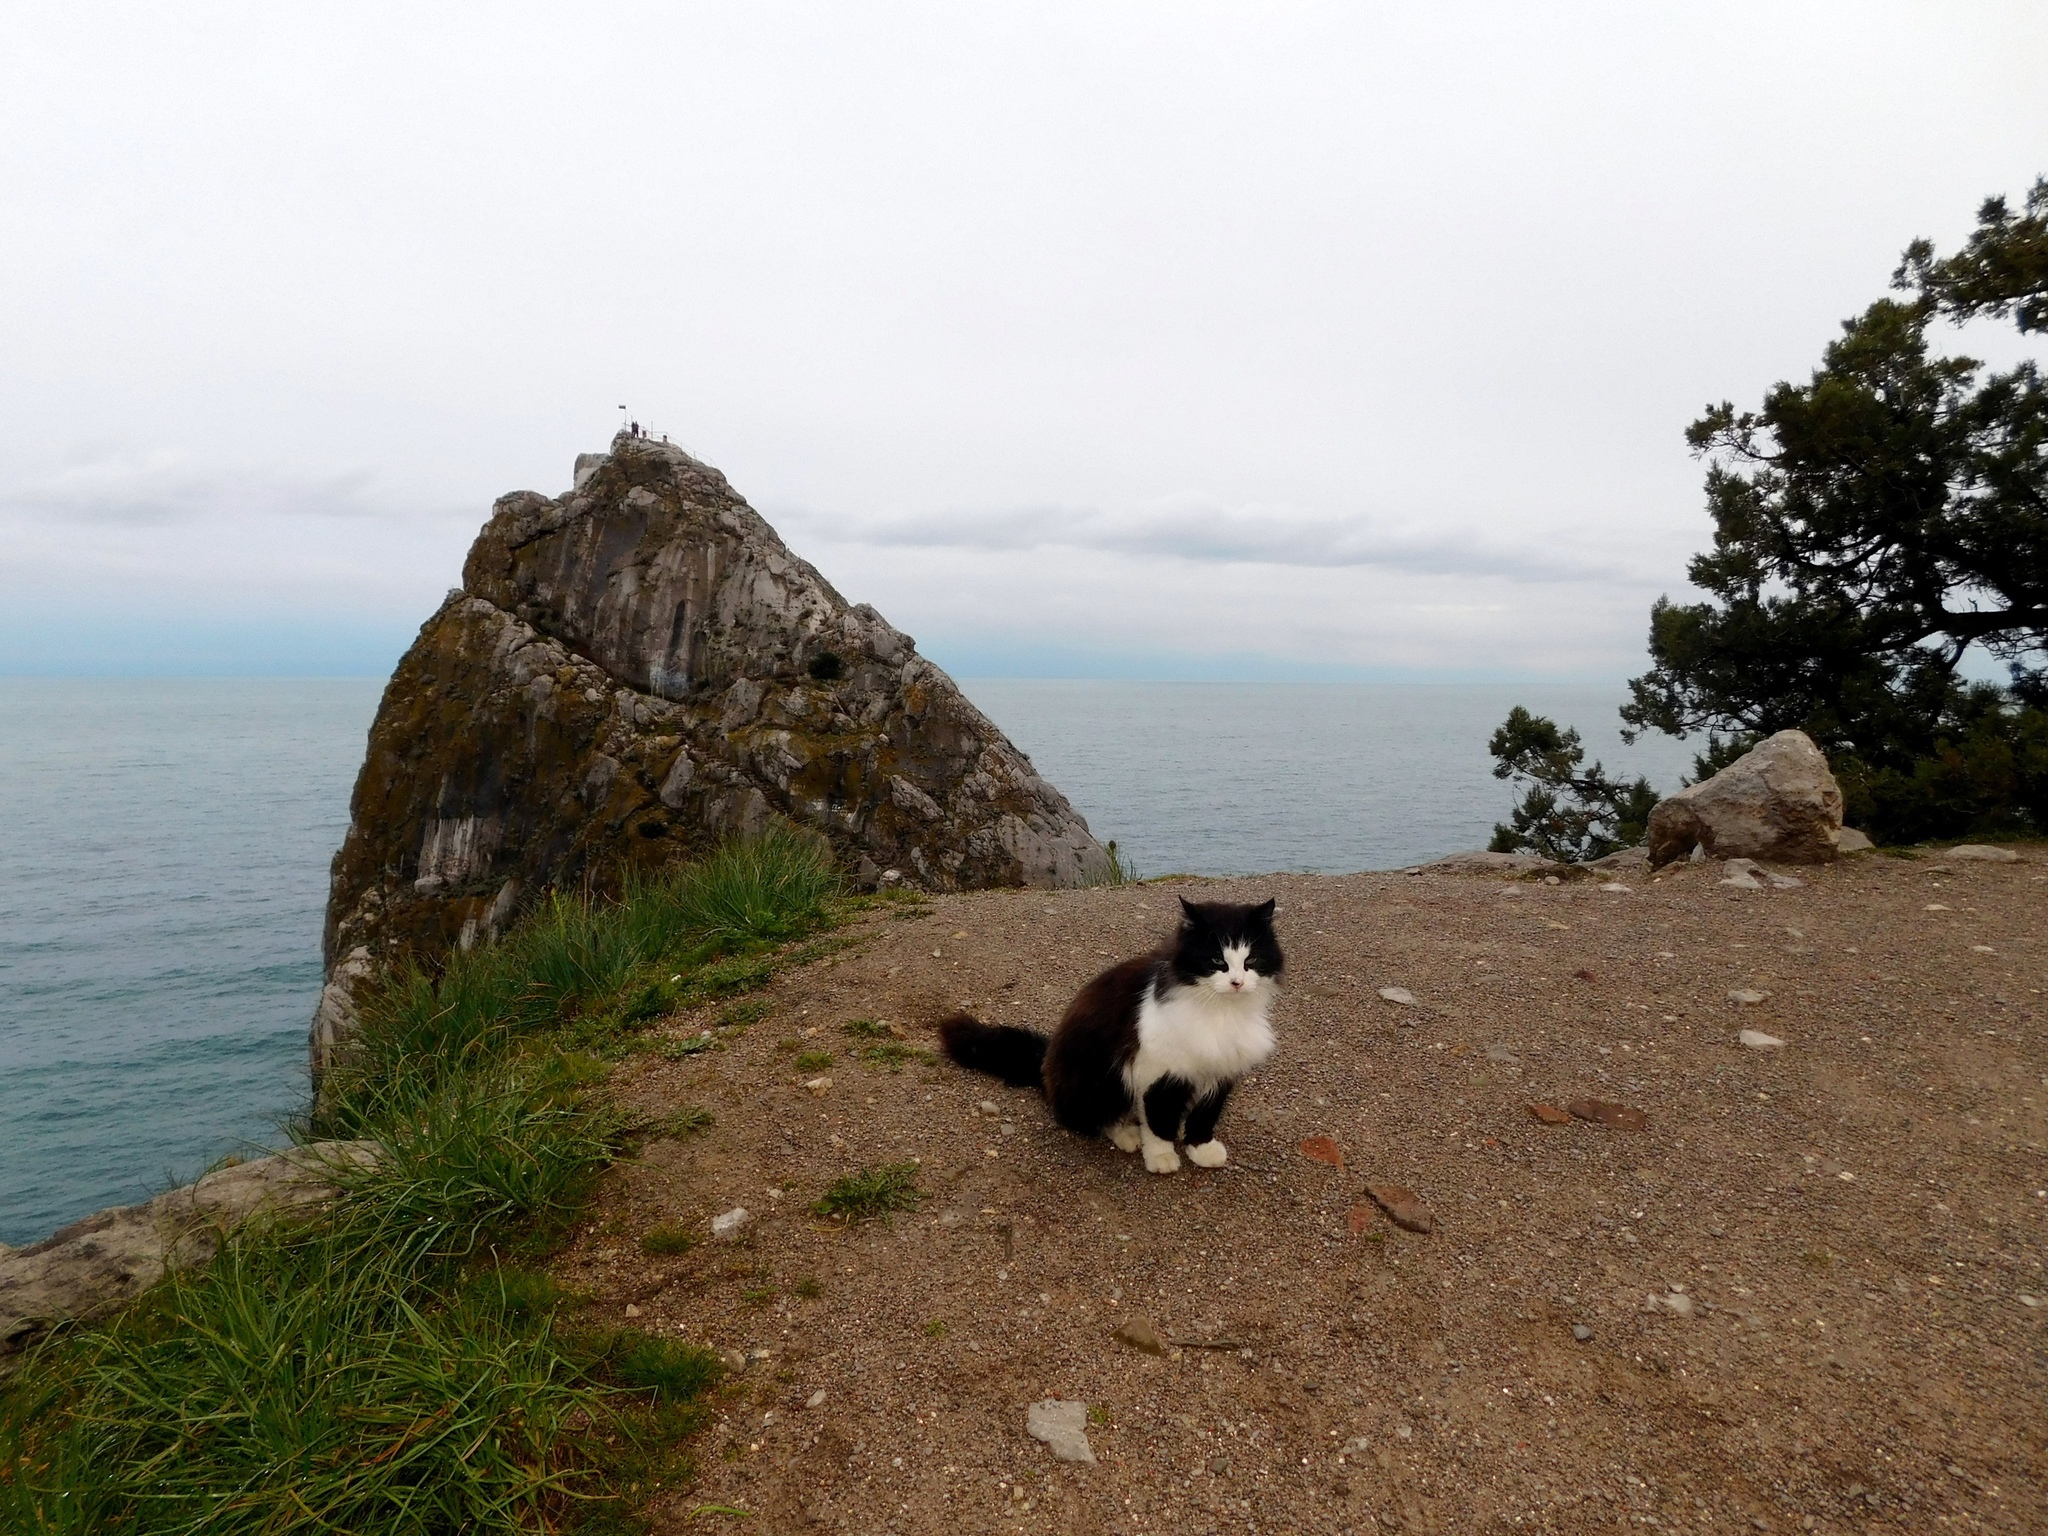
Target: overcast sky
column 1131, row 339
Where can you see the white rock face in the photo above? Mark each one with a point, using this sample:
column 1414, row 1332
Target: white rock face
column 93, row 1265
column 1061, row 1425
column 733, row 1222
column 1777, row 801
column 1757, row 1040
column 1983, row 853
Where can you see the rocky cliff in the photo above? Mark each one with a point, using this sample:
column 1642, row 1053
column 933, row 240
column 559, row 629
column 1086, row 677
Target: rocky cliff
column 632, row 671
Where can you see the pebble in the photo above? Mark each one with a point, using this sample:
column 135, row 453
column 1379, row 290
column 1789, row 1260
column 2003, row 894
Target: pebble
column 1403, row 1206
column 1747, row 997
column 1550, row 1114
column 1618, row 888
column 731, row 1223
column 1399, row 995
column 818, row 1087
column 1139, row 1333
column 1757, row 1040
column 632, row 1310
column 988, row 1107
column 2029, row 1302
column 1063, row 1426
column 1581, row 1332
column 816, row 1399
column 1501, row 1055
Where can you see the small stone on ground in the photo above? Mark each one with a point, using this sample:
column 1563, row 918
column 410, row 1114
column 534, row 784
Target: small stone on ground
column 1061, row 1425
column 731, row 1223
column 1600, row 1112
column 1403, row 1206
column 1139, row 1333
column 1399, row 995
column 1757, row 1040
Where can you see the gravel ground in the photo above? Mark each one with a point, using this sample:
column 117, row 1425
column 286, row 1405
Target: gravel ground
column 1808, row 1296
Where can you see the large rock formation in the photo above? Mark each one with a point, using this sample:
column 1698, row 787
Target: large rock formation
column 1777, row 801
column 92, row 1266
column 632, row 671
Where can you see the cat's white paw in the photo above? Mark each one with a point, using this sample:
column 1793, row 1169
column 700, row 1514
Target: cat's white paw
column 1210, row 1154
column 1161, row 1158
column 1124, row 1137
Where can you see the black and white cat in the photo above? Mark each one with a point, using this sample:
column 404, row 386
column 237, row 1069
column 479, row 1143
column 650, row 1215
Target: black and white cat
column 1150, row 1049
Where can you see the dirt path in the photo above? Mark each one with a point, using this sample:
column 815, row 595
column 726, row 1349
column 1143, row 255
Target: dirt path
column 1855, row 1221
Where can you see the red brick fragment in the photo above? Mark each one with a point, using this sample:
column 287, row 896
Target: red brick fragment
column 1600, row 1112
column 1360, row 1219
column 1550, row 1114
column 1323, row 1149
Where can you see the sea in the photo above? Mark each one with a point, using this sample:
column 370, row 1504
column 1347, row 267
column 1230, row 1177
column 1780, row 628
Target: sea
column 164, row 850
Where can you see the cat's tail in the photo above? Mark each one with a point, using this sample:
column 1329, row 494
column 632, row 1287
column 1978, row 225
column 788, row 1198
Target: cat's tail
column 1001, row 1050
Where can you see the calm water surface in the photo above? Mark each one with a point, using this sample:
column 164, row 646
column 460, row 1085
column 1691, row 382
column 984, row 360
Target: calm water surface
column 164, row 850
column 163, row 872
column 1240, row 778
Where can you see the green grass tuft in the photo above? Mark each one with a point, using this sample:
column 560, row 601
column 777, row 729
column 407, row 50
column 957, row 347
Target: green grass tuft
column 747, row 1011
column 683, row 1123
column 812, row 1061
column 387, row 1365
column 890, row 1055
column 675, row 1372
column 667, row 1240
column 870, row 1193
column 868, row 1029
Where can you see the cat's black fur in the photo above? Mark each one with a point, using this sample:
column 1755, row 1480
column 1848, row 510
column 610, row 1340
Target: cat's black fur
column 1086, row 1068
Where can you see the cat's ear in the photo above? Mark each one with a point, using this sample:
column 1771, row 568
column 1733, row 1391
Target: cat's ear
column 1189, row 912
column 1264, row 911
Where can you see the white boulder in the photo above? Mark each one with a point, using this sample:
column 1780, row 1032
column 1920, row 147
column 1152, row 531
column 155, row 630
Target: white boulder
column 1777, row 801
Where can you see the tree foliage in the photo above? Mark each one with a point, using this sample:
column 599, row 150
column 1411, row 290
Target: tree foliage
column 1871, row 525
column 1563, row 810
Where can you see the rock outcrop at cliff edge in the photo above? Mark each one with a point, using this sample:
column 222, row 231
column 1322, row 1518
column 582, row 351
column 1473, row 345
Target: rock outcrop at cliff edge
column 1778, row 801
column 633, row 671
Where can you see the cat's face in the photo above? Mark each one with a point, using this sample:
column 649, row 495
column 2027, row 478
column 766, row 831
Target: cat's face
column 1226, row 948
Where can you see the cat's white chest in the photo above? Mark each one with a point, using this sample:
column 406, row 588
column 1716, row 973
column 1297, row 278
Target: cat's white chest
column 1200, row 1037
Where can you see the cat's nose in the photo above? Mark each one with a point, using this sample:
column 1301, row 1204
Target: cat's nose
column 1237, row 983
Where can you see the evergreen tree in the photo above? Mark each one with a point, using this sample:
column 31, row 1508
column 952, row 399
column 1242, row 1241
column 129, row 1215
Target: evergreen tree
column 1563, row 810
column 1870, row 526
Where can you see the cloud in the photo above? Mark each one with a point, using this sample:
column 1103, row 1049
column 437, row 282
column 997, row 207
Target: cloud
column 119, row 487
column 1200, row 529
